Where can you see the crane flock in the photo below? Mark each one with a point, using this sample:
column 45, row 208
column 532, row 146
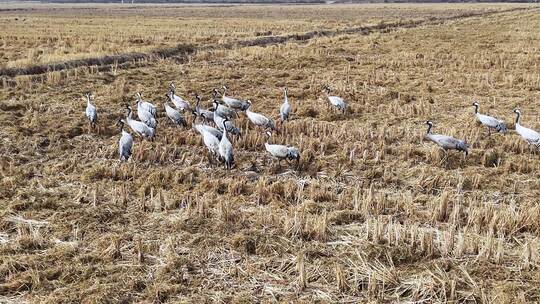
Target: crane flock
column 216, row 138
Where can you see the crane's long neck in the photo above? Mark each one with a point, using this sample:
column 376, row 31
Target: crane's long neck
column 88, row 100
column 286, row 98
column 224, row 130
column 429, row 129
column 475, row 109
column 518, row 117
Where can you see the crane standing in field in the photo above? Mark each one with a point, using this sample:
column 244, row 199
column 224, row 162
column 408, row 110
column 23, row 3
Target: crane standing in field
column 223, row 110
column 336, row 101
column 233, row 103
column 489, row 121
column 198, row 112
column 145, row 115
column 149, row 107
column 446, row 142
column 139, row 127
column 285, row 109
column 210, row 141
column 125, row 144
column 179, row 102
column 226, row 149
column 174, row 115
column 529, row 135
column 91, row 111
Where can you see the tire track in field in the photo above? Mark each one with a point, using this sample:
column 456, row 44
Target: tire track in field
column 181, row 52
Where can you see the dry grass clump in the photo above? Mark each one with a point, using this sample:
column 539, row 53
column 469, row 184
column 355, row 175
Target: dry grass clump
column 372, row 212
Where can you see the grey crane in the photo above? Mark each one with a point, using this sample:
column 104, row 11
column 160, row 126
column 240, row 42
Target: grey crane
column 336, row 101
column 147, row 105
column 145, row 116
column 174, row 115
column 139, row 127
column 198, row 112
column 446, row 142
column 226, row 148
column 489, row 121
column 125, row 144
column 231, row 128
column 281, row 152
column 259, row 119
column 233, row 103
column 529, row 135
column 285, row 109
column 210, row 141
column 179, row 102
column 202, row 127
column 91, row 111
column 223, row 111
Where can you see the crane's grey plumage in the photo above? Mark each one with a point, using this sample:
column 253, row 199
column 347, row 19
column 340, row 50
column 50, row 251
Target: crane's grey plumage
column 226, row 149
column 336, row 101
column 210, row 141
column 529, row 135
column 446, row 142
column 202, row 127
column 125, row 144
column 489, row 121
column 233, row 103
column 91, row 111
column 223, row 111
column 175, row 116
column 147, row 105
column 208, row 115
column 285, row 109
column 231, row 128
column 282, row 152
column 179, row 102
column 139, row 127
column 145, row 115
column 259, row 119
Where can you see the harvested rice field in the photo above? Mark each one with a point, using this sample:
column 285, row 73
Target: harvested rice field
column 371, row 212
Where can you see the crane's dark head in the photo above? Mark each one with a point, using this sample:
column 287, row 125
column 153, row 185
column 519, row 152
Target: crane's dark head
column 326, row 89
column 517, row 111
column 268, row 134
column 429, row 123
column 138, row 95
column 171, row 86
column 224, row 88
column 476, row 104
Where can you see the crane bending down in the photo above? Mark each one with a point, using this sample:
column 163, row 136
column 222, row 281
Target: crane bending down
column 489, row 121
column 281, row 152
column 446, row 142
